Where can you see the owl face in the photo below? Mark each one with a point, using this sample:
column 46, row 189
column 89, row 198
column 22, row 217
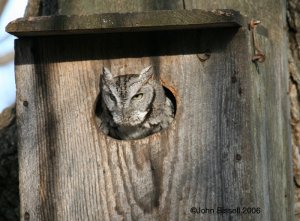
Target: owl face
column 128, row 98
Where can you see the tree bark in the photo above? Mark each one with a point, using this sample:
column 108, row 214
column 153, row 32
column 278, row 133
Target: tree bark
column 9, row 194
column 229, row 145
column 294, row 91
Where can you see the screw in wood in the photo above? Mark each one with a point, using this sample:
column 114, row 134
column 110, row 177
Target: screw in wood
column 253, row 23
column 259, row 56
column 25, row 103
column 238, row 157
column 203, row 56
column 26, row 216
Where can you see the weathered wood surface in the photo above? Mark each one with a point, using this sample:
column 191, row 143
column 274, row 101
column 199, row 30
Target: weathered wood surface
column 74, row 172
column 228, row 146
column 124, row 22
column 270, row 110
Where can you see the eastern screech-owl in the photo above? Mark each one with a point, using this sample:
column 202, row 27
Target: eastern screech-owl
column 133, row 106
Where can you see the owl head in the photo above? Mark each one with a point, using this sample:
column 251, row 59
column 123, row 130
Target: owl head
column 128, row 98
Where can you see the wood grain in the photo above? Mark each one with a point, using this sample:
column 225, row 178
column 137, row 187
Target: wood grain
column 270, row 111
column 229, row 145
column 124, row 22
column 71, row 171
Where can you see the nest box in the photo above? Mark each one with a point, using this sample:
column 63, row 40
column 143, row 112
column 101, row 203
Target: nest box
column 208, row 157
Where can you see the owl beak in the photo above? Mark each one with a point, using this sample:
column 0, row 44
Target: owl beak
column 123, row 115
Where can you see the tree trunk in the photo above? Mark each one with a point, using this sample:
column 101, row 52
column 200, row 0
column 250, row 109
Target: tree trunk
column 228, row 147
column 9, row 194
column 294, row 89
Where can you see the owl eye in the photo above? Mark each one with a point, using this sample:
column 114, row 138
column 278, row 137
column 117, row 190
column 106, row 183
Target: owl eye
column 138, row 96
column 112, row 97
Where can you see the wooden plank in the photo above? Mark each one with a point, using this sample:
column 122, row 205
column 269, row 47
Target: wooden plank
column 72, row 171
column 124, row 22
column 229, row 144
column 270, row 111
column 76, row 7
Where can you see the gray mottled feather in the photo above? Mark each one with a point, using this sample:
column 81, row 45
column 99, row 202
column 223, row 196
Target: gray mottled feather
column 133, row 106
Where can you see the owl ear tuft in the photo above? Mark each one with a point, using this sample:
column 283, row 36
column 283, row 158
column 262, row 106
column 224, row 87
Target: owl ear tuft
column 146, row 73
column 107, row 74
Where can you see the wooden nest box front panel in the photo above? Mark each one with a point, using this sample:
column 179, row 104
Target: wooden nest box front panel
column 206, row 158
